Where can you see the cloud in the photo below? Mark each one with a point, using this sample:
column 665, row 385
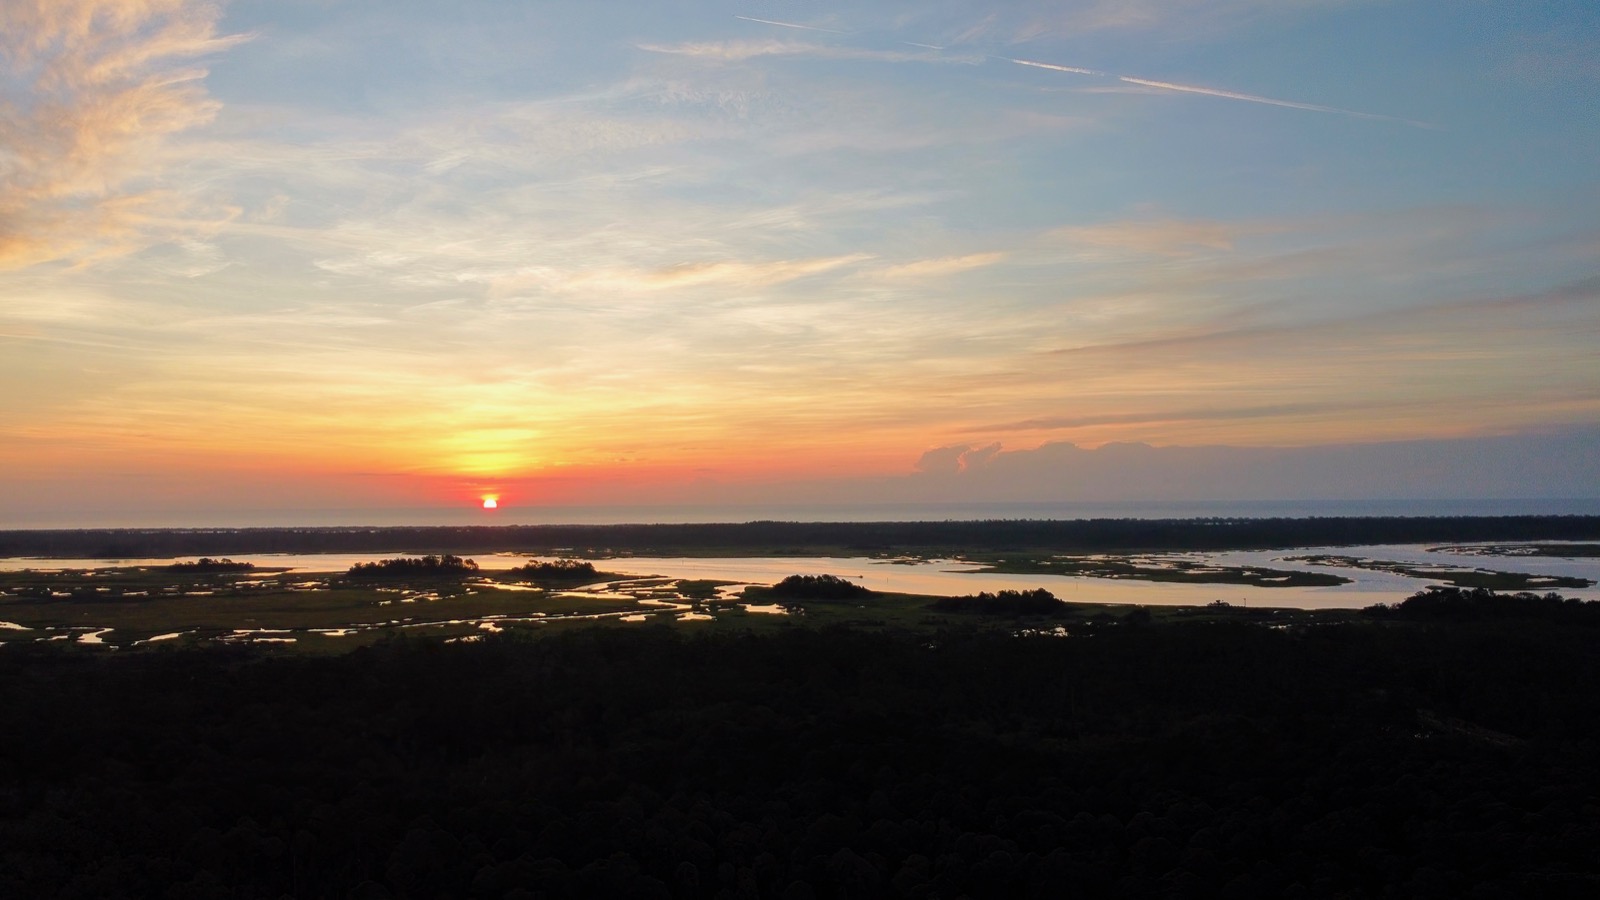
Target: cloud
column 99, row 86
column 742, row 274
column 949, row 265
column 1539, row 464
column 1055, row 423
column 956, row 459
column 942, row 460
column 1156, row 237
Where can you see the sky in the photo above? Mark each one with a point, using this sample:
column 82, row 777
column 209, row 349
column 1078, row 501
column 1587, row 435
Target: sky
column 313, row 254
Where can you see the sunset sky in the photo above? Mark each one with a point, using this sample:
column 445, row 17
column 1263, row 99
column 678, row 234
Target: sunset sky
column 308, row 254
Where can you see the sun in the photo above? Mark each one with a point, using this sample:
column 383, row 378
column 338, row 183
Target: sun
column 491, row 503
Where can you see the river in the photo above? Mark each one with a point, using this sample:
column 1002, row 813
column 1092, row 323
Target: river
column 954, row 578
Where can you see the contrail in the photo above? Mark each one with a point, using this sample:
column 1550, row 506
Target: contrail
column 1214, row 92
column 790, row 25
column 1052, row 67
column 1142, row 82
column 1252, row 98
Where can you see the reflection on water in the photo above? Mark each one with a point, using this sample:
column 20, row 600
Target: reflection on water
column 258, row 636
column 595, row 595
column 298, row 562
column 1397, row 586
column 954, row 578
column 651, row 586
column 944, row 577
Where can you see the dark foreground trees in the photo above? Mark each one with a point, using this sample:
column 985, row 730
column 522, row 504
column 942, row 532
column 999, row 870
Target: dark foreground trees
column 1037, row 602
column 1454, row 604
column 1391, row 759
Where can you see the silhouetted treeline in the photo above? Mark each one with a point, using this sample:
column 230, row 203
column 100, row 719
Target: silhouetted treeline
column 1037, row 602
column 794, row 538
column 1461, row 604
column 556, row 570
column 817, row 587
column 1392, row 759
column 415, row 567
column 207, row 564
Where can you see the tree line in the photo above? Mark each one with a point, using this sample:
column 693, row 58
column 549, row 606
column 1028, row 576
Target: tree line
column 445, row 566
column 804, row 538
column 1417, row 758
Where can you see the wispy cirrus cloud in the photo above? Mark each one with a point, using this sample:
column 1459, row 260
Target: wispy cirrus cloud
column 1156, row 237
column 1057, row 423
column 731, row 273
column 96, row 87
column 937, row 268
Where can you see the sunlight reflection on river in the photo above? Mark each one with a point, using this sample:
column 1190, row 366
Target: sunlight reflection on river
column 946, row 577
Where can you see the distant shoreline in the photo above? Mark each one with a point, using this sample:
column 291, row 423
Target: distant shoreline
column 772, row 538
column 511, row 513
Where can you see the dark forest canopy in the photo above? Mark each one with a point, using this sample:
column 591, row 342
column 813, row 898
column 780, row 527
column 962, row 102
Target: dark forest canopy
column 1447, row 604
column 1389, row 759
column 802, row 538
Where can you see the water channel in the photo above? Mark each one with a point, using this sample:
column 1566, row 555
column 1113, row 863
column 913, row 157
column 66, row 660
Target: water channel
column 945, row 577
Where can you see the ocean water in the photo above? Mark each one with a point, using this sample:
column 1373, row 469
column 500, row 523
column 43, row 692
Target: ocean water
column 685, row 514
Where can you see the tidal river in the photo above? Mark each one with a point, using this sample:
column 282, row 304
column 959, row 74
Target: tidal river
column 954, row 578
